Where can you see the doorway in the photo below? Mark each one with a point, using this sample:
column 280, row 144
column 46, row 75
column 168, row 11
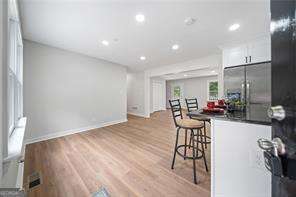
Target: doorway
column 158, row 96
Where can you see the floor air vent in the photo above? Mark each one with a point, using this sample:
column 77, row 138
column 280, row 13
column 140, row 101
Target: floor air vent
column 101, row 193
column 34, row 180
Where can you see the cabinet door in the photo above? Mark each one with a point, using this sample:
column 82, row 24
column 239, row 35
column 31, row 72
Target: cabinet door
column 235, row 56
column 259, row 51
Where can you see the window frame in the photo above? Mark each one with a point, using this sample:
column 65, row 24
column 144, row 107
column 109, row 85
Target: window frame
column 15, row 75
column 179, row 89
column 208, row 90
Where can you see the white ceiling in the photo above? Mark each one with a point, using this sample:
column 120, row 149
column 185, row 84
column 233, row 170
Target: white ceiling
column 81, row 25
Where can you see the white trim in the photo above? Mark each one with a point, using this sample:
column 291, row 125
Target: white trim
column 213, row 185
column 72, row 131
column 137, row 114
column 16, row 141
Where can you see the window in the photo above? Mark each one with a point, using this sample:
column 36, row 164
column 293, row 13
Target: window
column 177, row 91
column 212, row 90
column 15, row 72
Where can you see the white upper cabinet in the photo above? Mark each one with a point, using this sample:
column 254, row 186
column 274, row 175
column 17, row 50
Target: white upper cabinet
column 249, row 53
column 235, row 56
column 259, row 51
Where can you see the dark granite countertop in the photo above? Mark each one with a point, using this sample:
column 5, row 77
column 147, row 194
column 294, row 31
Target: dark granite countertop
column 237, row 116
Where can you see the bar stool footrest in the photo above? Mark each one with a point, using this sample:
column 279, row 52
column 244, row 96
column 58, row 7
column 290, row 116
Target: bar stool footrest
column 199, row 152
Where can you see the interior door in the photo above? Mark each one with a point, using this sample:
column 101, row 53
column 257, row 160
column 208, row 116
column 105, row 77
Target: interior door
column 156, row 96
column 283, row 41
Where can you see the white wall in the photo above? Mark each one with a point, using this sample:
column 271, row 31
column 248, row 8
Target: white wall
column 135, row 93
column 192, row 88
column 66, row 92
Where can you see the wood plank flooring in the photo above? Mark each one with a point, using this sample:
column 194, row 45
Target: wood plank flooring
column 128, row 159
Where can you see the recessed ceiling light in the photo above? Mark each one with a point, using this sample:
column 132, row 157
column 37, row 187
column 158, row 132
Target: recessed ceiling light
column 185, row 75
column 213, row 71
column 143, row 58
column 105, row 42
column 189, row 21
column 175, row 47
column 140, row 18
column 234, row 27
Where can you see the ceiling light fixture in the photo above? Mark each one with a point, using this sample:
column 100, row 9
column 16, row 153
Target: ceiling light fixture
column 142, row 58
column 175, row 47
column 185, row 75
column 105, row 42
column 234, row 27
column 189, row 21
column 140, row 18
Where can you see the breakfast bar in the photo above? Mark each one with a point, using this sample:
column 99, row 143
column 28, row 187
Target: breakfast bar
column 235, row 156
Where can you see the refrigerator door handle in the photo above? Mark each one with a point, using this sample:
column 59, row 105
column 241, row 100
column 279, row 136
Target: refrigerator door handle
column 248, row 97
column 243, row 93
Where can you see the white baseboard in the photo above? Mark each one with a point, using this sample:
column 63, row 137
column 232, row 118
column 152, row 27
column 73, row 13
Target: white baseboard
column 136, row 114
column 72, row 131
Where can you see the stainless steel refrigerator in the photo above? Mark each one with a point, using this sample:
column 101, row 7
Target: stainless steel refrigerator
column 249, row 88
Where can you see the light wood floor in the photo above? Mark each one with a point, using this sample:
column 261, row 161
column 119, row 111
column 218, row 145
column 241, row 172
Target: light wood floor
column 128, row 159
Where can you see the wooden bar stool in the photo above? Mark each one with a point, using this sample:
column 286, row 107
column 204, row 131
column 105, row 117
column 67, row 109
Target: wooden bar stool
column 192, row 105
column 195, row 138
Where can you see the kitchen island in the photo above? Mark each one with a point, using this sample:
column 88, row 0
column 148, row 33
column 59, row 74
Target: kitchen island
column 237, row 168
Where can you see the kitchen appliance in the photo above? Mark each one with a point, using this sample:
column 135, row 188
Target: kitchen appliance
column 247, row 89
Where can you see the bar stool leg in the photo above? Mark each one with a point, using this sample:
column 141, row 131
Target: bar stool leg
column 185, row 147
column 205, row 134
column 194, row 157
column 197, row 141
column 203, row 152
column 175, row 151
column 190, row 139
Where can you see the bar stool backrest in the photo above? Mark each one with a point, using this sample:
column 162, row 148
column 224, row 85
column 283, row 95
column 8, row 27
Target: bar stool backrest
column 176, row 110
column 192, row 104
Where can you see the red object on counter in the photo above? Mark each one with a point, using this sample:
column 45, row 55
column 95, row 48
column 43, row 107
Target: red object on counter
column 213, row 110
column 221, row 102
column 211, row 104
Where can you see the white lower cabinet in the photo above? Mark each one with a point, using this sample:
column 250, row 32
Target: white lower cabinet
column 237, row 168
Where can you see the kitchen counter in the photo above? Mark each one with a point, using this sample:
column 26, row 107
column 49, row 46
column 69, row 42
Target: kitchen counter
column 247, row 117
